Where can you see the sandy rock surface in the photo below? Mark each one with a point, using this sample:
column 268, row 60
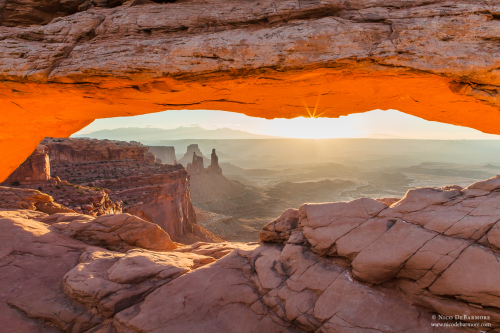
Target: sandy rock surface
column 373, row 268
column 16, row 198
column 119, row 232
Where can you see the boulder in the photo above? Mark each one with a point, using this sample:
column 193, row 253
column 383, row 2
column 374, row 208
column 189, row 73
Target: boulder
column 279, row 230
column 109, row 282
column 120, row 232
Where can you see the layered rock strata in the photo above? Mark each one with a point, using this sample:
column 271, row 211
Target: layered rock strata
column 156, row 192
column 35, row 173
column 165, row 154
column 82, row 150
column 107, row 177
column 64, row 283
column 436, row 245
column 36, row 168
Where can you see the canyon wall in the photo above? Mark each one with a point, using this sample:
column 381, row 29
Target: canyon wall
column 192, row 150
column 129, row 174
column 36, row 168
column 165, row 154
column 80, row 150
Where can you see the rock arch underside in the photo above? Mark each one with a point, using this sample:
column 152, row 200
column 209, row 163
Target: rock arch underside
column 65, row 63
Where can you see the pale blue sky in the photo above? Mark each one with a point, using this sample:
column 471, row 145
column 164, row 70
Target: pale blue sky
column 372, row 124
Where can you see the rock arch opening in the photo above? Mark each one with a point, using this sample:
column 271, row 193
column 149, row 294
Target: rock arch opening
column 233, row 173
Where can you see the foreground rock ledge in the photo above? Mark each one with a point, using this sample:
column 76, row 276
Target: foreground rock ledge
column 353, row 266
column 433, row 59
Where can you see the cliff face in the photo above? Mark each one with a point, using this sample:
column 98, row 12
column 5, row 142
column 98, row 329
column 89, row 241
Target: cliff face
column 164, row 199
column 433, row 59
column 188, row 157
column 35, row 173
column 165, row 154
column 80, row 150
column 156, row 192
column 36, row 168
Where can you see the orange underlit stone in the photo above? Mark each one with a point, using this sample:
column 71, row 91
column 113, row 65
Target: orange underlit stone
column 33, row 111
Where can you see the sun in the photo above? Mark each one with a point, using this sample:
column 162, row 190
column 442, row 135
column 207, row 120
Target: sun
column 313, row 114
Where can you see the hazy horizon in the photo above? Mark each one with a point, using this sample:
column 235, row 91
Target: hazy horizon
column 376, row 124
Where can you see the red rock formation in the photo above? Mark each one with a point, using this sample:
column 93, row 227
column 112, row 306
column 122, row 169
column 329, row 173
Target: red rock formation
column 155, row 192
column 81, row 150
column 43, row 12
column 116, row 232
column 16, row 198
column 388, row 201
column 34, row 173
column 36, row 168
column 166, row 201
column 422, row 244
column 165, row 154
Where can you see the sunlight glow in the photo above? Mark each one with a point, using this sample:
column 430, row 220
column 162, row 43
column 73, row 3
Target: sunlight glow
column 378, row 124
column 313, row 114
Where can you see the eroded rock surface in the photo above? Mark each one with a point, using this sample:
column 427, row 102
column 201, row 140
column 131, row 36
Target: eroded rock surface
column 33, row 261
column 36, row 168
column 108, row 282
column 92, row 150
column 155, row 192
column 273, row 289
column 438, row 244
column 30, row 199
column 54, row 283
column 120, row 232
column 358, row 266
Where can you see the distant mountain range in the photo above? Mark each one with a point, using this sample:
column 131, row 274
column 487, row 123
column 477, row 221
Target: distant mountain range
column 180, row 133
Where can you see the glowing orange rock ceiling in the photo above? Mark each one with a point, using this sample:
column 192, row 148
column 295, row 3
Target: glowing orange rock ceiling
column 438, row 60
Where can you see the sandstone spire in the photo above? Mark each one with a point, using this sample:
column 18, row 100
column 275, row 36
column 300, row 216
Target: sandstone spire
column 214, row 165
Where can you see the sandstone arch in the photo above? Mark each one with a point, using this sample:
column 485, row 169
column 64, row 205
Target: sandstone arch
column 434, row 59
